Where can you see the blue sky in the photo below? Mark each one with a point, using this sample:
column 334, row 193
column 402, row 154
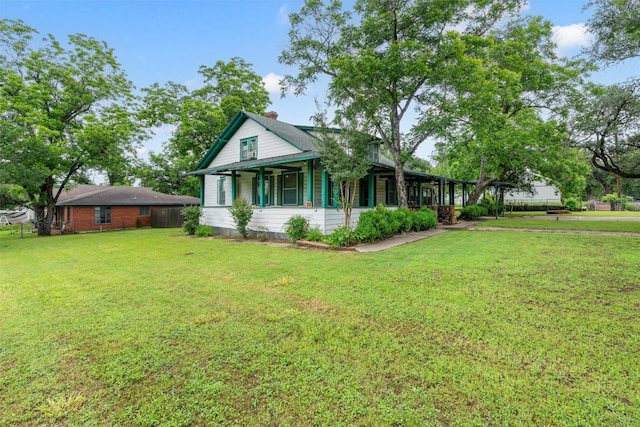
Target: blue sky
column 167, row 40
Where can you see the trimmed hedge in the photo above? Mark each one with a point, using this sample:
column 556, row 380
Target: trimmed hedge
column 472, row 212
column 381, row 223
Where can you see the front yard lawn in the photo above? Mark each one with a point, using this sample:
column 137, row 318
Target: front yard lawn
column 149, row 327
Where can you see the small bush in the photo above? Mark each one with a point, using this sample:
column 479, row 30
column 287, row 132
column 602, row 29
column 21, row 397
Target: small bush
column 203, row 231
column 315, row 235
column 376, row 224
column 296, row 228
column 191, row 216
column 613, row 198
column 340, row 237
column 241, row 211
column 402, row 220
column 488, row 203
column 571, row 203
column 473, row 212
column 424, row 219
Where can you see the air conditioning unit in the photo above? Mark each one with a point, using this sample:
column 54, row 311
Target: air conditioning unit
column 252, row 155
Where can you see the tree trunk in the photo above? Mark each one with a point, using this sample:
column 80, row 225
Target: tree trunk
column 401, row 188
column 483, row 182
column 44, row 214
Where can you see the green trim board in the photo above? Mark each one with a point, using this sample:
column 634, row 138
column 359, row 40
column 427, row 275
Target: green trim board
column 309, row 183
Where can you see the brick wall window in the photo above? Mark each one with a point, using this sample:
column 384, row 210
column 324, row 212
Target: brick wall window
column 102, row 214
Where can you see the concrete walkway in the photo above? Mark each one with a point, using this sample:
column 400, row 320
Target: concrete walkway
column 403, row 239
column 471, row 225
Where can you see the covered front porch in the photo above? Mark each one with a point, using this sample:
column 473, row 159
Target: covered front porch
column 299, row 184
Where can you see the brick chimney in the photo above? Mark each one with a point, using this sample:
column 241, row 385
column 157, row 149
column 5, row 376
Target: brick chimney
column 271, row 115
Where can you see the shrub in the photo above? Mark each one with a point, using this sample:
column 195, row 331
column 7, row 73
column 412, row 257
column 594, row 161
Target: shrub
column 571, row 203
column 191, row 216
column 402, row 220
column 241, row 211
column 473, row 212
column 203, row 231
column 340, row 237
column 613, row 198
column 296, row 228
column 424, row 219
column 488, row 203
column 369, row 228
column 315, row 235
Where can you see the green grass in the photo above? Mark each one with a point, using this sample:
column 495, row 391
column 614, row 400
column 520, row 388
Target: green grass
column 577, row 213
column 565, row 224
column 149, row 327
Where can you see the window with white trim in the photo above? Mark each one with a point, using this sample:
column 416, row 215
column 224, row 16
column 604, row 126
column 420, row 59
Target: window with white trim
column 249, row 148
column 221, row 193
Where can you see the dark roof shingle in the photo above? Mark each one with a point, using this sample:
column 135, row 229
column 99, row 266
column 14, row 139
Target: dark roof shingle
column 97, row 195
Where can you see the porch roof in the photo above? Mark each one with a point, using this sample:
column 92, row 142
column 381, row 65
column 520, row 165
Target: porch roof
column 383, row 165
column 255, row 164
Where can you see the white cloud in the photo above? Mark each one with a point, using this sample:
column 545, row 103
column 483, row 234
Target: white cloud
column 272, row 83
column 572, row 36
column 283, row 15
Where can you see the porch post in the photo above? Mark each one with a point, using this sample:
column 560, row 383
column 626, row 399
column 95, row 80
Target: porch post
column 452, row 193
column 372, row 188
column 233, row 186
column 324, row 184
column 419, row 191
column 201, row 190
column 464, row 194
column 261, row 187
column 309, row 181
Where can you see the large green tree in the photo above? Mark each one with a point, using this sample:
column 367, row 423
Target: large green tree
column 615, row 25
column 608, row 127
column 197, row 118
column 382, row 61
column 607, row 122
column 504, row 97
column 63, row 108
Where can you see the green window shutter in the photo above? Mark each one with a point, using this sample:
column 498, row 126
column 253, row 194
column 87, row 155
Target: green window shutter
column 279, row 180
column 300, row 188
column 254, row 190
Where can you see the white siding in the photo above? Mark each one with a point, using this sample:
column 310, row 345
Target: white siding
column 269, row 144
column 211, row 190
column 272, row 219
column 210, row 187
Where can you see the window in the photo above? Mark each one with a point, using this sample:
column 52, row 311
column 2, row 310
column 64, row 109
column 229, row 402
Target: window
column 221, row 192
column 391, row 192
column 102, row 214
column 249, row 148
column 290, row 188
column 364, row 191
column 144, row 211
column 373, row 153
column 268, row 190
column 68, row 214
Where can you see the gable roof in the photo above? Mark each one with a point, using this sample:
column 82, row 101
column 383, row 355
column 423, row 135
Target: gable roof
column 98, row 195
column 298, row 136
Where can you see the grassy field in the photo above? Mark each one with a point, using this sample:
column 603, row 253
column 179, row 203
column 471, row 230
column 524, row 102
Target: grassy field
column 149, row 327
column 565, row 224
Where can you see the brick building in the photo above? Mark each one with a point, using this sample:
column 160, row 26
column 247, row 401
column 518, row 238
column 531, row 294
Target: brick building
column 99, row 208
